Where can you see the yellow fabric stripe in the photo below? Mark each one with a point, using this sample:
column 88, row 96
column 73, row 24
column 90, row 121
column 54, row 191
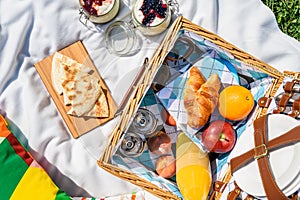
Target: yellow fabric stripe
column 35, row 185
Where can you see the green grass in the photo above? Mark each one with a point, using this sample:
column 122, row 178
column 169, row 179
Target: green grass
column 287, row 13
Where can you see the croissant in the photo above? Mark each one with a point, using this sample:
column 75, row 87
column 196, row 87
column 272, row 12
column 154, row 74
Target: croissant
column 200, row 97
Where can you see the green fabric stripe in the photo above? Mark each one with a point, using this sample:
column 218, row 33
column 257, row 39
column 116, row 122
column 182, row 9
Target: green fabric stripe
column 61, row 195
column 12, row 169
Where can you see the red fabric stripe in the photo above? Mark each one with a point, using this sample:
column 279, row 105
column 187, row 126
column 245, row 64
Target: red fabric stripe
column 16, row 145
column 19, row 149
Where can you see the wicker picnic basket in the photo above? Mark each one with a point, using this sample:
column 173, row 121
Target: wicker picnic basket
column 144, row 83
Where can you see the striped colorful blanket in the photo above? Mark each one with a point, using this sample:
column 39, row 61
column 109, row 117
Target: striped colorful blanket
column 21, row 176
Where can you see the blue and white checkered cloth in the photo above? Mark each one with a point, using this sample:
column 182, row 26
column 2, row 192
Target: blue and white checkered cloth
column 193, row 50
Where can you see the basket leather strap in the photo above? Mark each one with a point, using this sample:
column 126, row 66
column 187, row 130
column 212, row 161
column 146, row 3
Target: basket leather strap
column 262, row 146
column 234, row 193
column 261, row 139
column 288, row 88
column 288, row 138
column 295, row 109
column 218, row 187
column 282, row 103
column 264, row 102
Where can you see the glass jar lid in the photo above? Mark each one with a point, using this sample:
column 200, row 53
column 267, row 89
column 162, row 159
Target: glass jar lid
column 121, row 39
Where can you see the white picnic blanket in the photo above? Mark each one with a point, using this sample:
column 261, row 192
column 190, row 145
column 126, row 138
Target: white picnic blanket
column 32, row 30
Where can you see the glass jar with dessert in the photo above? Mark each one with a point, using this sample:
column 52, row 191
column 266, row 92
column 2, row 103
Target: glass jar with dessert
column 99, row 11
column 150, row 17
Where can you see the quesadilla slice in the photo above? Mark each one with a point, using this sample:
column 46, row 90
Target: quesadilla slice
column 57, row 75
column 76, row 78
column 80, row 87
column 101, row 107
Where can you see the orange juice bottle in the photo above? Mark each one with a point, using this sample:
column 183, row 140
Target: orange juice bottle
column 193, row 173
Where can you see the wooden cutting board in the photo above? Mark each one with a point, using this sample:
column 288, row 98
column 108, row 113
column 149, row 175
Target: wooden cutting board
column 77, row 125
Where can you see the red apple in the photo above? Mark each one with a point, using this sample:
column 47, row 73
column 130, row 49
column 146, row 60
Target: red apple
column 219, row 137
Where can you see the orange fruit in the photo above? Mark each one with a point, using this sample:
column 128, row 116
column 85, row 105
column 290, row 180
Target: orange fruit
column 235, row 102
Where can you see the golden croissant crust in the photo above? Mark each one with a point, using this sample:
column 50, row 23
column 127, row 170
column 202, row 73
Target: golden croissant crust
column 200, row 97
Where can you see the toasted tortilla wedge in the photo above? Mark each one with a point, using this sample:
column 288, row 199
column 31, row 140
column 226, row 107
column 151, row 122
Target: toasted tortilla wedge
column 101, row 108
column 80, row 87
column 56, row 73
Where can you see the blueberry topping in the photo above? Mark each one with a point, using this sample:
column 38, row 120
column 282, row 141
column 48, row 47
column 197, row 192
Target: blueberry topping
column 152, row 9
